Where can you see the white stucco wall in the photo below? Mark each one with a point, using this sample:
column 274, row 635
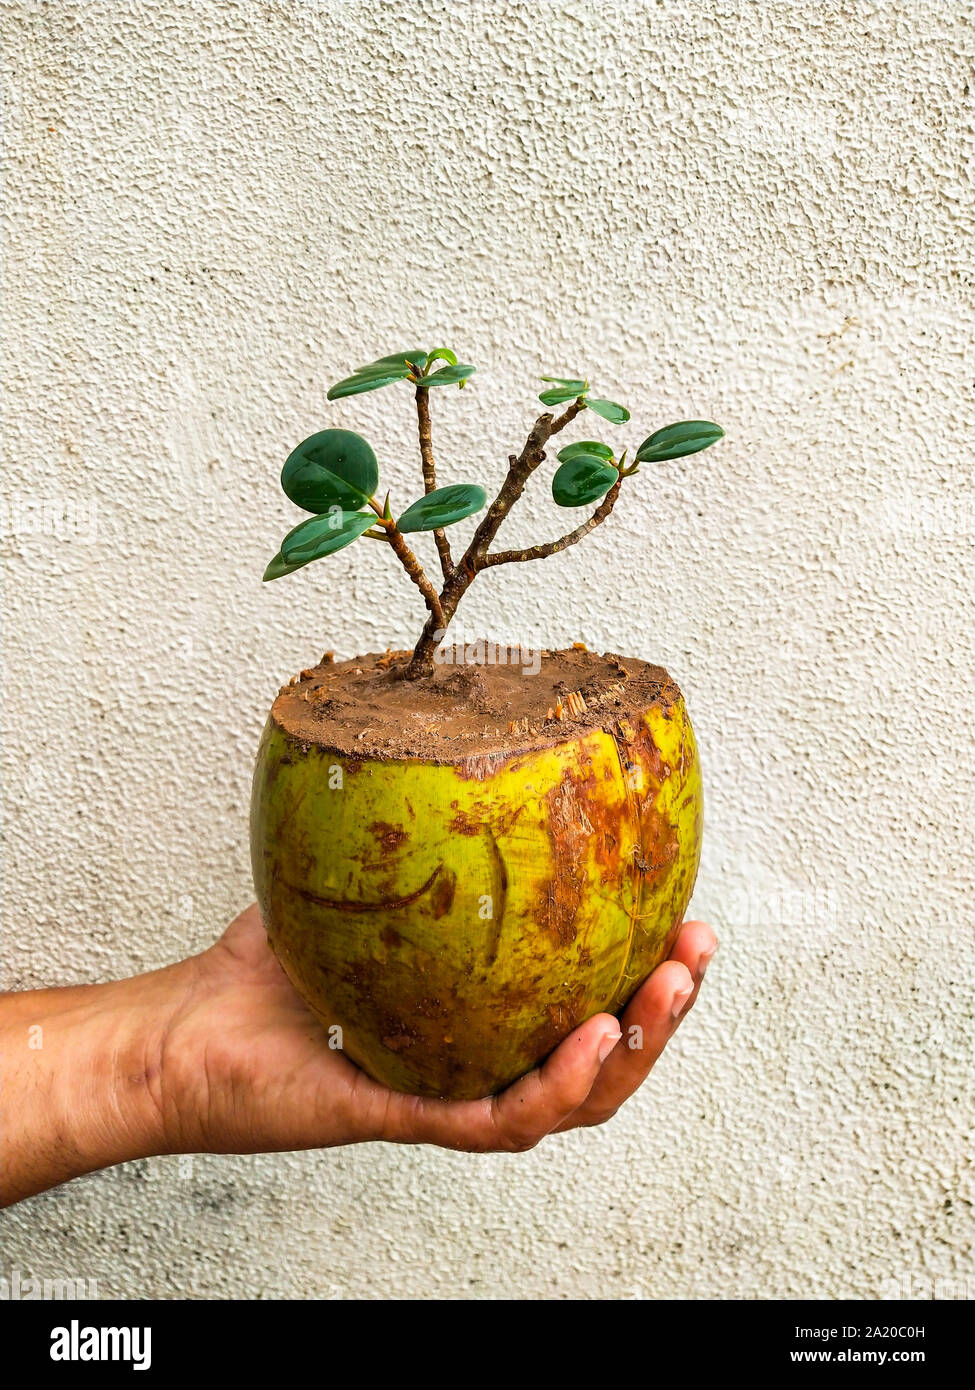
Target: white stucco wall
column 749, row 212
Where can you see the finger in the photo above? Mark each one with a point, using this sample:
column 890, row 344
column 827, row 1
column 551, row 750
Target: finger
column 519, row 1117
column 540, row 1101
column 650, row 1021
column 695, row 948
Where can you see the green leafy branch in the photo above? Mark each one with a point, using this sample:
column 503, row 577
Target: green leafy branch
column 334, row 475
column 567, row 388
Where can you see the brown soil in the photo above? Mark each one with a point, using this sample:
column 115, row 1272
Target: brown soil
column 363, row 707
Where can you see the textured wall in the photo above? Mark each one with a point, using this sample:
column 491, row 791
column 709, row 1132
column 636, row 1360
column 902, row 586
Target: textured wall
column 749, row 212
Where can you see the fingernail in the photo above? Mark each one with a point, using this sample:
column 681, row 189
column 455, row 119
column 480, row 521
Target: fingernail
column 680, row 999
column 704, row 960
column 606, row 1046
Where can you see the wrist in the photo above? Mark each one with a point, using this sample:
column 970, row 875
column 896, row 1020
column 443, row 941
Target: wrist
column 83, row 1077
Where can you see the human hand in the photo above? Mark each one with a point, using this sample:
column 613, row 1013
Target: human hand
column 246, row 1067
column 219, row 1054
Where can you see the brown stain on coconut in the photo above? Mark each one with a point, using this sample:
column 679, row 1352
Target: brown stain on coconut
column 390, row 837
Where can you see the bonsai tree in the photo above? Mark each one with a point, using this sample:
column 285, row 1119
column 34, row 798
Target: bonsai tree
column 452, row 889
column 334, row 475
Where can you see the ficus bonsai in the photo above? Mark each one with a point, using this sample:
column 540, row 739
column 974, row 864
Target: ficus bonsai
column 335, row 475
column 458, row 864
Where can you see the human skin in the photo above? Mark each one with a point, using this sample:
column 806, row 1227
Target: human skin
column 218, row 1054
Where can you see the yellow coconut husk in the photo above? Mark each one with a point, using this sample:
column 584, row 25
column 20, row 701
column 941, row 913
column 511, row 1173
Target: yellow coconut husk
column 456, row 920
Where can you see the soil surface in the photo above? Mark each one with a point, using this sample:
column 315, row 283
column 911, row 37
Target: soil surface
column 471, row 705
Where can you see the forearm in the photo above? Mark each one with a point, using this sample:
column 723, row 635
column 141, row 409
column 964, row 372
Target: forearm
column 80, row 1079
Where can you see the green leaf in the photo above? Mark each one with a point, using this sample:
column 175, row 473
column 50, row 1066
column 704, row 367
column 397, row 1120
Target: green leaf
column 442, row 507
column 397, row 359
column 674, row 441
column 366, row 381
column 582, row 479
column 441, row 355
column 279, row 567
column 558, row 394
column 609, row 410
column 372, row 369
column 585, row 446
column 571, row 383
column 323, row 535
column 334, row 468
column 448, row 376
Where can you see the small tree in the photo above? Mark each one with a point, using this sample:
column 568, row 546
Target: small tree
column 334, row 474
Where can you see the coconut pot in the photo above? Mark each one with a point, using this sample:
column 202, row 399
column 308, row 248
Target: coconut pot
column 458, row 915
